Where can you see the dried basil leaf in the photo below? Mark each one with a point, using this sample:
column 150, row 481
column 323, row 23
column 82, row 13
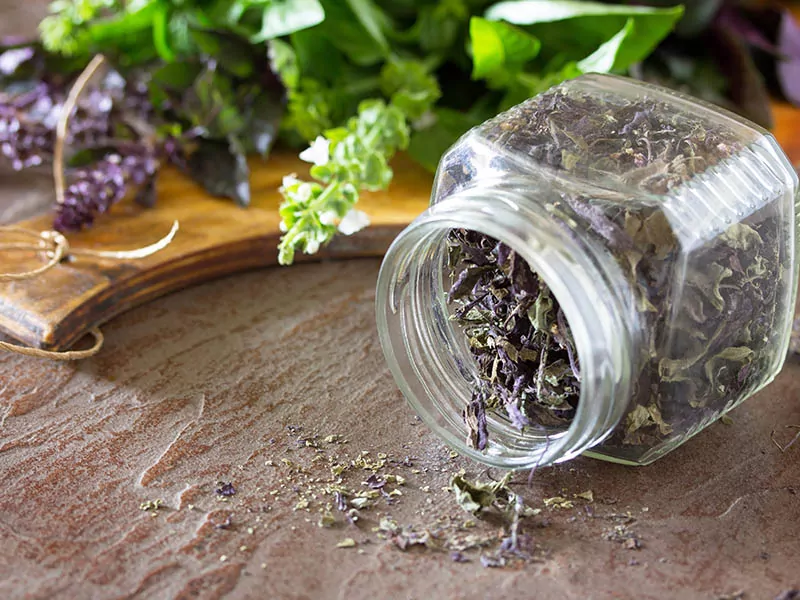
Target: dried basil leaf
column 472, row 497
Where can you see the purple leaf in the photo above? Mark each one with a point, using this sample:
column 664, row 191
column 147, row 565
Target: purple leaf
column 746, row 83
column 222, row 170
column 746, row 29
column 789, row 67
column 225, row 488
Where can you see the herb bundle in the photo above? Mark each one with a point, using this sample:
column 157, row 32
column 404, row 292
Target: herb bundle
column 708, row 297
column 203, row 83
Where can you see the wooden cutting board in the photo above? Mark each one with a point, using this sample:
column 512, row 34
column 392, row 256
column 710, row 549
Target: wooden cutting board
column 216, row 238
column 55, row 309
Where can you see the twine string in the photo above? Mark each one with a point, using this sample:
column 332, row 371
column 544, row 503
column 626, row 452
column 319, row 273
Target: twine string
column 58, row 354
column 54, row 246
column 63, row 122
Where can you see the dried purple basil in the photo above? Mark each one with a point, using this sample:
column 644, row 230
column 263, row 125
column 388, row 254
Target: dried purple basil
column 225, row 489
column 517, row 334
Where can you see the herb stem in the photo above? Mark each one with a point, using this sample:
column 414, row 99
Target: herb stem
column 321, row 200
column 362, row 87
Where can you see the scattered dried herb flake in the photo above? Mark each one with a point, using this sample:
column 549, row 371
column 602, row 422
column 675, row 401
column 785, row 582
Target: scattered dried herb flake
column 225, row 489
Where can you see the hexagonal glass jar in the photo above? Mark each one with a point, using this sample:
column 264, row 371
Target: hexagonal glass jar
column 664, row 227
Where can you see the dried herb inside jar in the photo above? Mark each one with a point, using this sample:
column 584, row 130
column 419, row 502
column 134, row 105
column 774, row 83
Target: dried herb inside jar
column 517, row 334
column 708, row 323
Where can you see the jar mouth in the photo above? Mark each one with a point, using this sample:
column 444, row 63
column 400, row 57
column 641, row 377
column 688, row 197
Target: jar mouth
column 429, row 355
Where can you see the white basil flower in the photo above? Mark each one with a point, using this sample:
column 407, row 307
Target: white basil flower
column 354, row 220
column 317, row 152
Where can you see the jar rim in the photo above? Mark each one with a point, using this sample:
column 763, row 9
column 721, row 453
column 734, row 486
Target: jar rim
column 408, row 297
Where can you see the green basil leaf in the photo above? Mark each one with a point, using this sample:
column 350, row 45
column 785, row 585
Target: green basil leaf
column 284, row 63
column 527, row 85
column 605, row 58
column 345, row 30
column 317, row 57
column 499, row 49
column 372, row 20
column 282, row 17
column 440, row 26
column 572, row 30
column 113, row 29
column 180, row 38
column 530, row 12
column 412, row 89
column 161, row 34
column 230, row 52
column 175, row 76
column 171, row 81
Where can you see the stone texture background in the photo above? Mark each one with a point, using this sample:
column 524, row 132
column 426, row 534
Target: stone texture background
column 203, row 385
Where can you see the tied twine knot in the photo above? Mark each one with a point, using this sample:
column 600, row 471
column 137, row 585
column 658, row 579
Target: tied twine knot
column 54, row 246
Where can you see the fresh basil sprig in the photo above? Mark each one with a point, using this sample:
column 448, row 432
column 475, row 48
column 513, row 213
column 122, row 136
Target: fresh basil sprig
column 353, row 158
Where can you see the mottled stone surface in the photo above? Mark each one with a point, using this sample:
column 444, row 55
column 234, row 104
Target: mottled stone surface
column 203, row 386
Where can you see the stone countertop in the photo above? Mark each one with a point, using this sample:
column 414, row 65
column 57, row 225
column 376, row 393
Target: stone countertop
column 243, row 379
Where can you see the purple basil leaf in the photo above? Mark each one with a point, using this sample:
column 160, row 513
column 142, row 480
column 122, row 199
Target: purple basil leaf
column 264, row 120
column 746, row 84
column 789, row 47
column 747, row 29
column 221, row 168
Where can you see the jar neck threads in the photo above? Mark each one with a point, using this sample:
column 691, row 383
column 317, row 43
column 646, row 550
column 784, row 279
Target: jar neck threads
column 429, row 357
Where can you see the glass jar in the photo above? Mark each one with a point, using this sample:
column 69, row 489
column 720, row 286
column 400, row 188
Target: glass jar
column 665, row 230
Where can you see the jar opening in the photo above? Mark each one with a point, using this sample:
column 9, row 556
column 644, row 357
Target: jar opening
column 450, row 371
column 430, row 356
